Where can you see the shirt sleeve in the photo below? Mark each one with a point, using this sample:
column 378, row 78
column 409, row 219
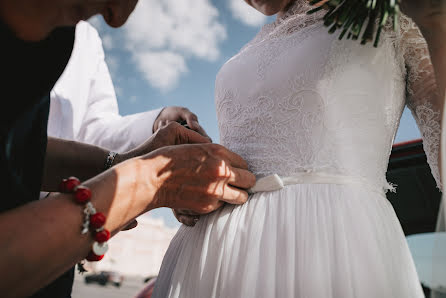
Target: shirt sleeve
column 102, row 125
column 422, row 93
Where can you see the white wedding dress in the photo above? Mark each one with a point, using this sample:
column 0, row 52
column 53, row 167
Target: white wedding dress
column 315, row 118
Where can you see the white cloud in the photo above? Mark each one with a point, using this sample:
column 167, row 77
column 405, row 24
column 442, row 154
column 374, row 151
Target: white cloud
column 162, row 35
column 246, row 14
column 161, row 69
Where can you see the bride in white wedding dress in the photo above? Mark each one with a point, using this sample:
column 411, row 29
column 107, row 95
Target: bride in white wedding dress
column 315, row 118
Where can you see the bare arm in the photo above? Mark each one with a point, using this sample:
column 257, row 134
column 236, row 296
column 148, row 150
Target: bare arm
column 44, row 236
column 430, row 16
column 69, row 158
column 436, row 40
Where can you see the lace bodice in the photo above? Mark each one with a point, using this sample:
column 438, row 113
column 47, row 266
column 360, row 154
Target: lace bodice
column 296, row 99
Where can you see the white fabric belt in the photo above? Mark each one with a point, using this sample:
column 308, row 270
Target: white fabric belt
column 275, row 182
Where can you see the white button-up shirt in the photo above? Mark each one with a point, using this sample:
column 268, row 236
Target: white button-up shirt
column 83, row 102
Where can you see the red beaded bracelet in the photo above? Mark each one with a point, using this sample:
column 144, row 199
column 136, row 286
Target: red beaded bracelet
column 92, row 220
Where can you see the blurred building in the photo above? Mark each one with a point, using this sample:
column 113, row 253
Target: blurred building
column 138, row 252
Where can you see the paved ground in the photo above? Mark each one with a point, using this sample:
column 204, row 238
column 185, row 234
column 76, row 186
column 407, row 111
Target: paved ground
column 129, row 288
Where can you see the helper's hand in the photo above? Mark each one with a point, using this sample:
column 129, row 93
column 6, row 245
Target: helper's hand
column 178, row 114
column 198, row 177
column 168, row 135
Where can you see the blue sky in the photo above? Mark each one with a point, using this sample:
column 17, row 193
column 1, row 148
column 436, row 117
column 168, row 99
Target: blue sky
column 170, row 51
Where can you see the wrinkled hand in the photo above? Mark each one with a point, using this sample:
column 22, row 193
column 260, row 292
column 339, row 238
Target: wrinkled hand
column 198, row 177
column 168, row 135
column 178, row 114
column 427, row 14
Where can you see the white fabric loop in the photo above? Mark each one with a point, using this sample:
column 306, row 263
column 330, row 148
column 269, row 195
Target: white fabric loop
column 275, row 182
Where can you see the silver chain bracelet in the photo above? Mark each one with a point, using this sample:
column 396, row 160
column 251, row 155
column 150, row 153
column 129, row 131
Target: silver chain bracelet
column 110, row 159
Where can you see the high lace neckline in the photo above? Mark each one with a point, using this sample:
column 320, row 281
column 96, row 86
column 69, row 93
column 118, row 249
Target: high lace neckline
column 299, row 7
column 293, row 19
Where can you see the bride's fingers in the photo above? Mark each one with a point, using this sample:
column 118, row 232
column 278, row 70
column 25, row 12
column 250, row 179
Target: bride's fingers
column 241, row 178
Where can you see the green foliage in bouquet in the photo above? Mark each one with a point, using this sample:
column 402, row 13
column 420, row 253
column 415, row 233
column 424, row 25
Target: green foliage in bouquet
column 351, row 16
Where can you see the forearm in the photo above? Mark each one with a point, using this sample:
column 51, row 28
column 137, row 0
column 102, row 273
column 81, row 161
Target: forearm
column 436, row 40
column 118, row 133
column 430, row 17
column 69, row 158
column 42, row 240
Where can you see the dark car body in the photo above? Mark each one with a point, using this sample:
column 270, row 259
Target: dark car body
column 105, row 277
column 417, row 199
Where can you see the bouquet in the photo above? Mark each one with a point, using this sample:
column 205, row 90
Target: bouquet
column 351, row 16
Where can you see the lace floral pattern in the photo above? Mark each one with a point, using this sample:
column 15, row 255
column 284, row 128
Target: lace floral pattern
column 429, row 122
column 422, row 94
column 296, row 99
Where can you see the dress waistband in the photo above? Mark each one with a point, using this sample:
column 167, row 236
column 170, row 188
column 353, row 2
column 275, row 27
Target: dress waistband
column 275, row 182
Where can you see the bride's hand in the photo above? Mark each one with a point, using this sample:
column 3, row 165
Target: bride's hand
column 427, row 14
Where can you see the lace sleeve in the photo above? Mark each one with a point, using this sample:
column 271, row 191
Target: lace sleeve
column 422, row 96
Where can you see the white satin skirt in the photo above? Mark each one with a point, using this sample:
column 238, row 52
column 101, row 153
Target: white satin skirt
column 303, row 240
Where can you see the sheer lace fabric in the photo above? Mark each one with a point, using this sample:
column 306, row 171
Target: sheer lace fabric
column 297, row 100
column 422, row 94
column 315, row 103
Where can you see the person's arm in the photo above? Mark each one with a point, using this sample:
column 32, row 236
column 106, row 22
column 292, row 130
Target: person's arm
column 70, row 158
column 430, row 17
column 101, row 123
column 41, row 240
column 424, row 45
column 116, row 132
column 423, row 97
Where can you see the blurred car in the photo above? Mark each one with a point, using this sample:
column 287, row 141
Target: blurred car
column 147, row 279
column 105, row 277
column 148, row 290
